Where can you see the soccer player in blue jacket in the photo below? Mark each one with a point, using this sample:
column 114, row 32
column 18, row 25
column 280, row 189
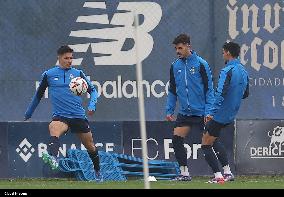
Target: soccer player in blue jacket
column 233, row 86
column 191, row 84
column 67, row 109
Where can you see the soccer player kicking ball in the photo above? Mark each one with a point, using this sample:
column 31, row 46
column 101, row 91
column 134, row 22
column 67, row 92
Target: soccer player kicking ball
column 233, row 86
column 68, row 112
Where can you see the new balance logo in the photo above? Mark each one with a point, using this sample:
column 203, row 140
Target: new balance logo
column 118, row 32
column 25, row 150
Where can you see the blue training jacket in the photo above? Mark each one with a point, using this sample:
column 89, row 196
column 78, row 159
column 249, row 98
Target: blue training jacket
column 233, row 86
column 64, row 103
column 191, row 84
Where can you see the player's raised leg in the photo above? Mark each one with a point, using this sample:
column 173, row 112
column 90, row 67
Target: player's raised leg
column 56, row 129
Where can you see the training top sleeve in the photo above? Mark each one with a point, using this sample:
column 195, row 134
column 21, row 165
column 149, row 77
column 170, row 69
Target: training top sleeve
column 93, row 93
column 246, row 93
column 172, row 95
column 206, row 76
column 37, row 97
column 222, row 89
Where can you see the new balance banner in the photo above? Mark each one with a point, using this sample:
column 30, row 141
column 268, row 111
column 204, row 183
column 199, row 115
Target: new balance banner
column 101, row 34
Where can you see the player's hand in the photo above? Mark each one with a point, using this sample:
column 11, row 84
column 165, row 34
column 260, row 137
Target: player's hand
column 170, row 117
column 91, row 112
column 207, row 118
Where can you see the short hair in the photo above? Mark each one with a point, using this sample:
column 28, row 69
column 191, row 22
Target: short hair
column 182, row 38
column 233, row 48
column 64, row 49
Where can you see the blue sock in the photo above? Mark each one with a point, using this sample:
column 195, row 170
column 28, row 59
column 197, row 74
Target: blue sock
column 179, row 149
column 53, row 146
column 210, row 157
column 221, row 152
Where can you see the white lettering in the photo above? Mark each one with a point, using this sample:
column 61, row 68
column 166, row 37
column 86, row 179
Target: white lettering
column 132, row 84
column 246, row 11
column 270, row 64
column 266, row 152
column 157, row 95
column 267, row 25
column 282, row 55
column 167, row 148
column 269, row 51
column 126, row 89
column 195, row 150
column 62, row 150
column 42, row 148
column 243, row 52
column 83, row 147
column 256, row 41
column 188, row 150
column 113, row 86
column 99, row 145
column 73, row 146
column 109, row 147
column 136, row 145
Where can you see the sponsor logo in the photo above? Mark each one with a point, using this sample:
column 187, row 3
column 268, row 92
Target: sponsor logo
column 126, row 89
column 115, row 39
column 275, row 148
column 154, row 153
column 26, row 150
column 192, row 70
column 263, row 47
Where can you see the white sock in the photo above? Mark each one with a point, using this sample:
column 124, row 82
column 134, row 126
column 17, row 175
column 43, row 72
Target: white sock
column 184, row 170
column 218, row 175
column 227, row 169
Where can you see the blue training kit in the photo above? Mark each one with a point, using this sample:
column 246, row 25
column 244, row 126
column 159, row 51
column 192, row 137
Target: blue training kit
column 233, row 86
column 64, row 103
column 191, row 84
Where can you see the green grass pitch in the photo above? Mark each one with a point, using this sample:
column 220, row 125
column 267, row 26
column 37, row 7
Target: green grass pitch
column 241, row 182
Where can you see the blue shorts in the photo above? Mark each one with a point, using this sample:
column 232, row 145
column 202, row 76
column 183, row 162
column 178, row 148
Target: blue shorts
column 214, row 128
column 184, row 121
column 76, row 125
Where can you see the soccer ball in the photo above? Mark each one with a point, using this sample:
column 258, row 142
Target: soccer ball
column 78, row 86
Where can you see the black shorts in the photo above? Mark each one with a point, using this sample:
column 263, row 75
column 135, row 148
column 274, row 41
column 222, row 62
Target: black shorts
column 214, row 128
column 183, row 121
column 76, row 125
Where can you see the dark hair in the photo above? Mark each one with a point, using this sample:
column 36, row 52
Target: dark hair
column 182, row 38
column 64, row 49
column 233, row 48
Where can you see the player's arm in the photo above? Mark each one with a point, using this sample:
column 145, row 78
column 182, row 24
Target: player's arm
column 92, row 91
column 172, row 96
column 222, row 89
column 246, row 93
column 37, row 97
column 207, row 80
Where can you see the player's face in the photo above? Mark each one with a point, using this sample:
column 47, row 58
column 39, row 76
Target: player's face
column 226, row 55
column 182, row 50
column 65, row 60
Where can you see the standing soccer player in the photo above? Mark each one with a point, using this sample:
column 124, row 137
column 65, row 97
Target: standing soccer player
column 233, row 86
column 191, row 84
column 68, row 112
